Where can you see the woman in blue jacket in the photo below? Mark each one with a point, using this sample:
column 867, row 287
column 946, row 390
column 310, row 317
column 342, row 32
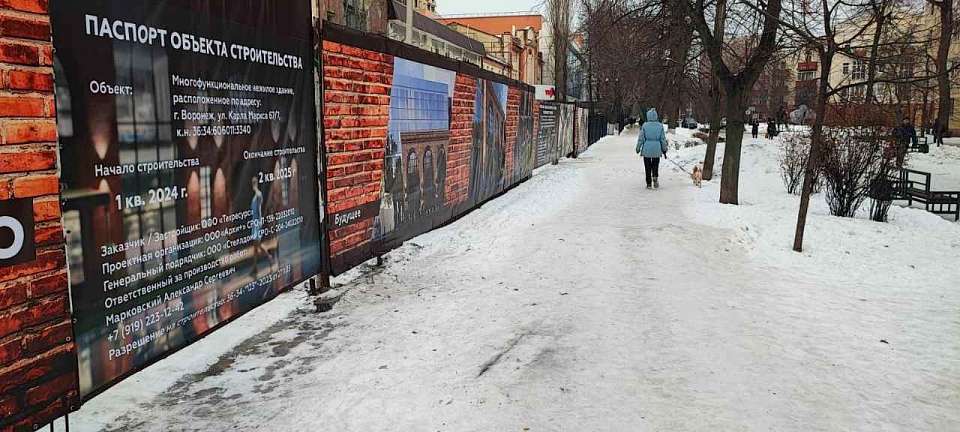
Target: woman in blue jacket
column 652, row 144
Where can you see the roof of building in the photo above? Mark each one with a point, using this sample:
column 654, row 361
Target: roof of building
column 398, row 11
column 496, row 23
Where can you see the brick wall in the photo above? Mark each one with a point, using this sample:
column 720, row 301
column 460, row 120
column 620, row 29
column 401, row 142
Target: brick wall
column 536, row 129
column 37, row 365
column 461, row 140
column 356, row 109
column 358, row 79
column 512, row 122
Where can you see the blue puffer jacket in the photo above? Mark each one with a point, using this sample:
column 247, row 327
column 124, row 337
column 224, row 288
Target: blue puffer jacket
column 652, row 142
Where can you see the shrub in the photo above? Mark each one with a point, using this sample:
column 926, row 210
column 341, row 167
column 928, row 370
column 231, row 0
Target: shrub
column 851, row 159
column 794, row 151
column 882, row 189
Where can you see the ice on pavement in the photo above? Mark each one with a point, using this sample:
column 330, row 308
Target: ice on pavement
column 581, row 301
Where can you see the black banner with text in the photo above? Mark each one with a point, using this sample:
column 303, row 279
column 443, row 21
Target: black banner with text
column 190, row 162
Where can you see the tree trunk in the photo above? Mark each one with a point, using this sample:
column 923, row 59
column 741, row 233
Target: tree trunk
column 813, row 160
column 715, row 116
column 944, row 107
column 736, row 106
column 880, row 11
column 925, row 115
column 719, row 26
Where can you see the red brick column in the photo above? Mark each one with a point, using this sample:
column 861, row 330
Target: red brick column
column 37, row 365
column 356, row 113
column 512, row 122
column 461, row 140
column 536, row 129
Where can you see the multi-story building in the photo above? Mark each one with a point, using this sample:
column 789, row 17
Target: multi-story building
column 363, row 15
column 431, row 35
column 426, row 7
column 931, row 19
column 577, row 69
column 511, row 39
column 509, row 44
column 905, row 60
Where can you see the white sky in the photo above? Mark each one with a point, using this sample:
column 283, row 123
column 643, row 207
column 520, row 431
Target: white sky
column 485, row 6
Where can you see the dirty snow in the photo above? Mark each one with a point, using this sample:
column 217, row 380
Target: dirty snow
column 582, row 302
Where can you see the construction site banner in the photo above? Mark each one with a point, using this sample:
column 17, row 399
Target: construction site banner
column 413, row 140
column 189, row 144
column 547, row 134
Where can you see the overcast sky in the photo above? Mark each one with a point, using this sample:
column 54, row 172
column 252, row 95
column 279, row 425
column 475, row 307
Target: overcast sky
column 484, row 6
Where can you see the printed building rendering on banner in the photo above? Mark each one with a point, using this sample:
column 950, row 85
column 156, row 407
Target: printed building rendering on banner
column 191, row 169
column 525, row 150
column 412, row 145
column 415, row 162
column 488, row 163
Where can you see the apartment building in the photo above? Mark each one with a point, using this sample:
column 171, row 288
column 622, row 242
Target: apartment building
column 908, row 48
column 431, row 35
column 511, row 39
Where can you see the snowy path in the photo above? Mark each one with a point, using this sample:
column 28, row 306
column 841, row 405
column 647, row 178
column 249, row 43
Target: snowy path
column 578, row 302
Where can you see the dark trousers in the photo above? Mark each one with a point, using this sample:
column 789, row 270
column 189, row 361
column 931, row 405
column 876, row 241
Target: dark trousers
column 651, row 168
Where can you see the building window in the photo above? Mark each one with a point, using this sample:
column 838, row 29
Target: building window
column 859, row 91
column 455, row 52
column 413, row 174
column 398, row 31
column 206, row 198
column 859, row 70
column 354, row 14
column 64, row 105
column 144, row 135
column 805, row 76
column 73, row 228
column 846, row 68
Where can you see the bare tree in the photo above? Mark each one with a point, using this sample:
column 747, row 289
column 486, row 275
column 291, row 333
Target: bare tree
column 736, row 69
column 944, row 10
column 880, row 11
column 847, row 29
column 641, row 54
column 559, row 14
column 716, row 98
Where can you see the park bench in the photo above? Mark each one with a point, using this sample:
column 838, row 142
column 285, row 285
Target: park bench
column 914, row 186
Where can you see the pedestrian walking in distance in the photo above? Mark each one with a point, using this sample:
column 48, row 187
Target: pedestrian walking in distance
column 652, row 144
column 904, row 135
column 939, row 130
column 755, row 128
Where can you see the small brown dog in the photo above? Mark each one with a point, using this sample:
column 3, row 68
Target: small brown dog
column 697, row 176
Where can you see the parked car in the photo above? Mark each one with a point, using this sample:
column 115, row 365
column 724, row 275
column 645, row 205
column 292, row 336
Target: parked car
column 689, row 123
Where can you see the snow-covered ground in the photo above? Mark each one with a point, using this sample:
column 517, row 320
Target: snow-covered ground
column 942, row 162
column 582, row 302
